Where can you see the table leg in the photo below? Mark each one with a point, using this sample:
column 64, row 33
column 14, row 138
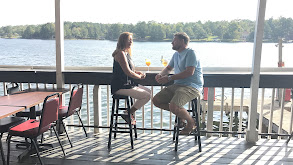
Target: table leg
column 33, row 112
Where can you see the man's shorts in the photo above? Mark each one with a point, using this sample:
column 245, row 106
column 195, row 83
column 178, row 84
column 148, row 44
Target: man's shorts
column 177, row 94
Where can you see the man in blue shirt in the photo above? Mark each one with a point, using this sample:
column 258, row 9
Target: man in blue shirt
column 188, row 81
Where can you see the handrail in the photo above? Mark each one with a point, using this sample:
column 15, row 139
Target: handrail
column 208, row 70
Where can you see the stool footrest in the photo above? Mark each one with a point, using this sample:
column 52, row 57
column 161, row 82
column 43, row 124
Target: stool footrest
column 122, row 127
column 122, row 123
column 121, row 131
column 124, row 109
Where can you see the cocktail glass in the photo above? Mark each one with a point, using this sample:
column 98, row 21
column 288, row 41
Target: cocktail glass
column 148, row 63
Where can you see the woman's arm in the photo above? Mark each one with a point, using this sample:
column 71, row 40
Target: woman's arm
column 122, row 60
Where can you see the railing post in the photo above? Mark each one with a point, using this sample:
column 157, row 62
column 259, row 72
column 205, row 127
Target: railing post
column 251, row 133
column 97, row 99
column 211, row 94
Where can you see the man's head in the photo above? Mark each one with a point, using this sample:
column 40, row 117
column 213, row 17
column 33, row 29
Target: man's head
column 180, row 41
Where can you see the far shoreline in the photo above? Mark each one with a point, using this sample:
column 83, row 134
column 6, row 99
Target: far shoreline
column 165, row 40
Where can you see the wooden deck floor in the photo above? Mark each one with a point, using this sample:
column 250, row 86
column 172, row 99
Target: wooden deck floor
column 159, row 149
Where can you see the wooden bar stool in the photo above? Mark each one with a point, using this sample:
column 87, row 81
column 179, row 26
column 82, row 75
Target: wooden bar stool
column 118, row 111
column 195, row 116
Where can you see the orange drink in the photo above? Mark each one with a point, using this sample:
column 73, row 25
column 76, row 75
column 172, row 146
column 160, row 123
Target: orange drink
column 164, row 62
column 148, row 63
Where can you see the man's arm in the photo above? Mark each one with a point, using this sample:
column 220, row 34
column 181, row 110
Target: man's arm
column 164, row 72
column 186, row 73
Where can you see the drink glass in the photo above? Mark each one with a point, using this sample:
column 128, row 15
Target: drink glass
column 148, row 63
column 164, row 62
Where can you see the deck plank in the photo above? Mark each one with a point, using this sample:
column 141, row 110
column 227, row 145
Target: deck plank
column 158, row 149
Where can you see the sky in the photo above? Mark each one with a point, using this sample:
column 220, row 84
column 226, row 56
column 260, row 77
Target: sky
column 33, row 12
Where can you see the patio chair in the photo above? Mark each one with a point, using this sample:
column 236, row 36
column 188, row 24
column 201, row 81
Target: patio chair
column 33, row 128
column 5, row 124
column 195, row 116
column 13, row 88
column 74, row 107
column 120, row 111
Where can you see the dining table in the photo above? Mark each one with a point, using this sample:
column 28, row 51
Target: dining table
column 6, row 110
column 26, row 99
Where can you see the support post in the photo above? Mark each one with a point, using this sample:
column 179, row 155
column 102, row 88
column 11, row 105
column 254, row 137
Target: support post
column 59, row 37
column 251, row 132
column 97, row 99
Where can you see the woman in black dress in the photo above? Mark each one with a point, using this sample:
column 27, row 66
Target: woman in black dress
column 124, row 73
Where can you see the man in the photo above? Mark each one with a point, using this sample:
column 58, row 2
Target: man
column 188, row 81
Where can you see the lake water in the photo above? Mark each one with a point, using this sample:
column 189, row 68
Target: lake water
column 98, row 53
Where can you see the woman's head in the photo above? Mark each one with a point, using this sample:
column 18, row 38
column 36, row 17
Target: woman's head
column 124, row 43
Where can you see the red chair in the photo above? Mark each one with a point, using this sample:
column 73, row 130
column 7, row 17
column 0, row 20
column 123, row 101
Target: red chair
column 5, row 124
column 74, row 107
column 33, row 128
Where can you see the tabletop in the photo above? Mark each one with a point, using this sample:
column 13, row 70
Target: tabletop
column 9, row 110
column 13, row 103
column 29, row 98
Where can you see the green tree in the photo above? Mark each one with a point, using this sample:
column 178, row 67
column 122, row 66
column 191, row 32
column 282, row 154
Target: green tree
column 67, row 30
column 8, row 31
column 199, row 32
column 233, row 31
column 114, row 31
column 157, row 32
column 141, row 30
column 47, row 31
column 29, row 32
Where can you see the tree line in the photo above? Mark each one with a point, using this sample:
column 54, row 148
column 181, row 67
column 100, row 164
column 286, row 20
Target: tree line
column 235, row 30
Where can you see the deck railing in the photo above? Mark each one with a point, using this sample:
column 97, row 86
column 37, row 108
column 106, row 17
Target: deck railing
column 225, row 103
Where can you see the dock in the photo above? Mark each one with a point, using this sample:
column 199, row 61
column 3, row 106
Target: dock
column 276, row 117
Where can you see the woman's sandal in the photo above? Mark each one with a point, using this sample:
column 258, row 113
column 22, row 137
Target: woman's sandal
column 186, row 131
column 125, row 117
column 182, row 124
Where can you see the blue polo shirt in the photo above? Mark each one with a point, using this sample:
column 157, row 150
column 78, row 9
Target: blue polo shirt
column 180, row 61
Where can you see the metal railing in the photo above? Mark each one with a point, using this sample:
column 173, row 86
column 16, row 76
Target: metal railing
column 223, row 113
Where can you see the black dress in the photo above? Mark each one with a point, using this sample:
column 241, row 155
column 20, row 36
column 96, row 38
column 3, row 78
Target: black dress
column 119, row 79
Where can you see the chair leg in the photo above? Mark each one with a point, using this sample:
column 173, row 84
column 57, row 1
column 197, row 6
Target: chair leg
column 111, row 124
column 134, row 126
column 289, row 138
column 174, row 130
column 177, row 134
column 8, row 148
column 77, row 113
column 27, row 143
column 1, row 150
column 130, row 125
column 66, row 133
column 59, row 141
column 35, row 143
column 195, row 114
column 116, row 117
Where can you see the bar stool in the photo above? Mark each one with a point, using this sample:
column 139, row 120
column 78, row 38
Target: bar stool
column 118, row 111
column 195, row 116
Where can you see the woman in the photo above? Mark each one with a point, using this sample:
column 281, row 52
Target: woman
column 124, row 73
